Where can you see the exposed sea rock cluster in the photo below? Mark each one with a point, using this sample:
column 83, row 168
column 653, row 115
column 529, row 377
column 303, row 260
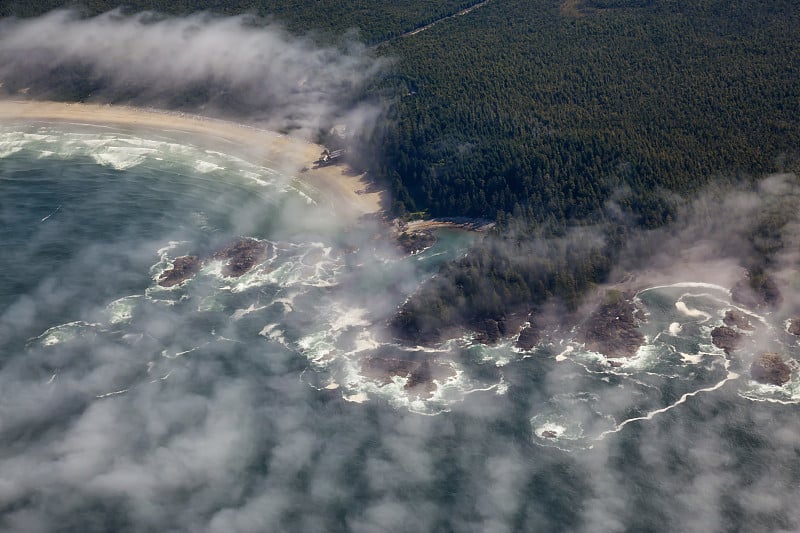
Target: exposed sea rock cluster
column 413, row 242
column 239, row 257
column 419, row 374
column 490, row 331
column 612, row 329
column 770, row 368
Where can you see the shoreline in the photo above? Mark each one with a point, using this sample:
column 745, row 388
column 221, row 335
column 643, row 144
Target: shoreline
column 350, row 195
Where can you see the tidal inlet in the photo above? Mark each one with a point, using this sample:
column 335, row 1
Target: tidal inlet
column 196, row 315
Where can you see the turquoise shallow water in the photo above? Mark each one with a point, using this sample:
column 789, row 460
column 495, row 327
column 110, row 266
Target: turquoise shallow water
column 238, row 405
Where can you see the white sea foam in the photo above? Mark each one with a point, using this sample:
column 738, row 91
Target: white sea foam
column 689, row 284
column 240, row 313
column 121, row 310
column 204, row 167
column 64, row 332
column 112, row 393
column 694, row 313
column 563, row 355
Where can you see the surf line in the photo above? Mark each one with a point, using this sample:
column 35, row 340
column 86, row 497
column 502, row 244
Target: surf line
column 51, row 214
column 731, row 376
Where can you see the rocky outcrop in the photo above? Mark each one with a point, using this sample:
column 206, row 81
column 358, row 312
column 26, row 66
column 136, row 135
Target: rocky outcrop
column 734, row 318
column 491, row 331
column 794, row 326
column 612, row 328
column 726, row 338
column 529, row 336
column 240, row 256
column 771, row 369
column 413, row 242
column 420, row 375
column 182, row 269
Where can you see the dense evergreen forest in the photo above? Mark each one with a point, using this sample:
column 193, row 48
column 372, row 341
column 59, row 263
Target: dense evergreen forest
column 374, row 21
column 519, row 108
column 537, row 112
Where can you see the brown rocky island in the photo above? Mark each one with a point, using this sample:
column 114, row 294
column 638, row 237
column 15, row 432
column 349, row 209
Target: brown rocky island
column 726, row 338
column 612, row 328
column 239, row 257
column 182, row 269
column 771, row 369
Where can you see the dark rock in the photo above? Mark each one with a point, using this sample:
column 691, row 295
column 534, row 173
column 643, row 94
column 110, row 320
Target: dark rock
column 726, row 338
column 769, row 368
column 420, row 374
column 737, row 319
column 529, row 336
column 416, row 241
column 612, row 328
column 182, row 269
column 487, row 331
column 241, row 256
column 794, row 326
column 549, row 434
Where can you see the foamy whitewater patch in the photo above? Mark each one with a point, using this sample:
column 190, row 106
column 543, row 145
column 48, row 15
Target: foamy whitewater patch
column 570, row 422
column 64, row 333
column 438, row 399
column 123, row 151
column 121, row 311
column 677, row 345
column 500, row 354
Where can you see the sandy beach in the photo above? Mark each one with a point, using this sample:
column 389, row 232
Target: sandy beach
column 295, row 157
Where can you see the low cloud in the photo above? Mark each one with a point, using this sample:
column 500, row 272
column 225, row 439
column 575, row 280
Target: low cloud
column 242, row 65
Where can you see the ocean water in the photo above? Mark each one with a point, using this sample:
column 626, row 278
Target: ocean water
column 242, row 404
